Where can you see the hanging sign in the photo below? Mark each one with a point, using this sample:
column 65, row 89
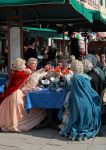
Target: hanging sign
column 15, row 49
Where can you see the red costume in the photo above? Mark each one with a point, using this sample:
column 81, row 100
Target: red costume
column 17, row 82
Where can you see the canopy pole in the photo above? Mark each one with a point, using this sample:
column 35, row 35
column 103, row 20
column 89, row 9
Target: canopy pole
column 63, row 38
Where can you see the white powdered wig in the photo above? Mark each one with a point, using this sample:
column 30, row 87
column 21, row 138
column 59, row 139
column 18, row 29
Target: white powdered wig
column 87, row 65
column 32, row 60
column 19, row 64
column 77, row 66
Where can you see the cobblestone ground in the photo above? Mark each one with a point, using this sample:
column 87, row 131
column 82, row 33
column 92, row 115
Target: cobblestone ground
column 48, row 139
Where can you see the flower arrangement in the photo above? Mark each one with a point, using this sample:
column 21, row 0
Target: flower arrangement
column 65, row 71
column 57, row 71
column 55, row 76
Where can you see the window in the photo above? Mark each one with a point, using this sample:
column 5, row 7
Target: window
column 101, row 2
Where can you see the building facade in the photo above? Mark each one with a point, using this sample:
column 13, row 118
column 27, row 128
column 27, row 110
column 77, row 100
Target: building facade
column 94, row 4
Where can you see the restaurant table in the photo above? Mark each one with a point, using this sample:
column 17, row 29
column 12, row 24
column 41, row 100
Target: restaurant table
column 4, row 75
column 51, row 100
column 2, row 87
column 3, row 81
column 45, row 98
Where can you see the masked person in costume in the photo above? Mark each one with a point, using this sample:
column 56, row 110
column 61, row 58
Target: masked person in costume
column 96, row 77
column 36, row 75
column 83, row 107
column 13, row 116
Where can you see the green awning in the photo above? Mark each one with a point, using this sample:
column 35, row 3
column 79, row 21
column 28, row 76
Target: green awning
column 44, row 33
column 39, row 29
column 28, row 2
column 45, row 12
column 74, row 3
column 99, row 15
column 102, row 17
column 87, row 13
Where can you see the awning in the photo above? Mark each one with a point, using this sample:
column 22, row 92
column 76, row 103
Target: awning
column 36, row 12
column 102, row 17
column 39, row 29
column 28, row 2
column 91, row 15
column 45, row 11
column 46, row 33
column 87, row 13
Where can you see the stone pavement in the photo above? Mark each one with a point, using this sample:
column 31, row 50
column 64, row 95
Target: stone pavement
column 48, row 139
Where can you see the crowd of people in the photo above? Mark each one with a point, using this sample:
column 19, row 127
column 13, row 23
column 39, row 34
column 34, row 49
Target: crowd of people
column 48, row 53
column 83, row 80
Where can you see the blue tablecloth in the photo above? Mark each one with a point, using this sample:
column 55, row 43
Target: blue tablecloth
column 2, row 89
column 45, row 98
column 3, row 81
column 4, row 75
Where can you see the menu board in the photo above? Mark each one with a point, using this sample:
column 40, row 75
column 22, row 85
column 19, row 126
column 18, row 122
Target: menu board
column 15, row 45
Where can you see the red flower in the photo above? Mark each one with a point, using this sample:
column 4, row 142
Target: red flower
column 48, row 68
column 57, row 69
column 65, row 71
